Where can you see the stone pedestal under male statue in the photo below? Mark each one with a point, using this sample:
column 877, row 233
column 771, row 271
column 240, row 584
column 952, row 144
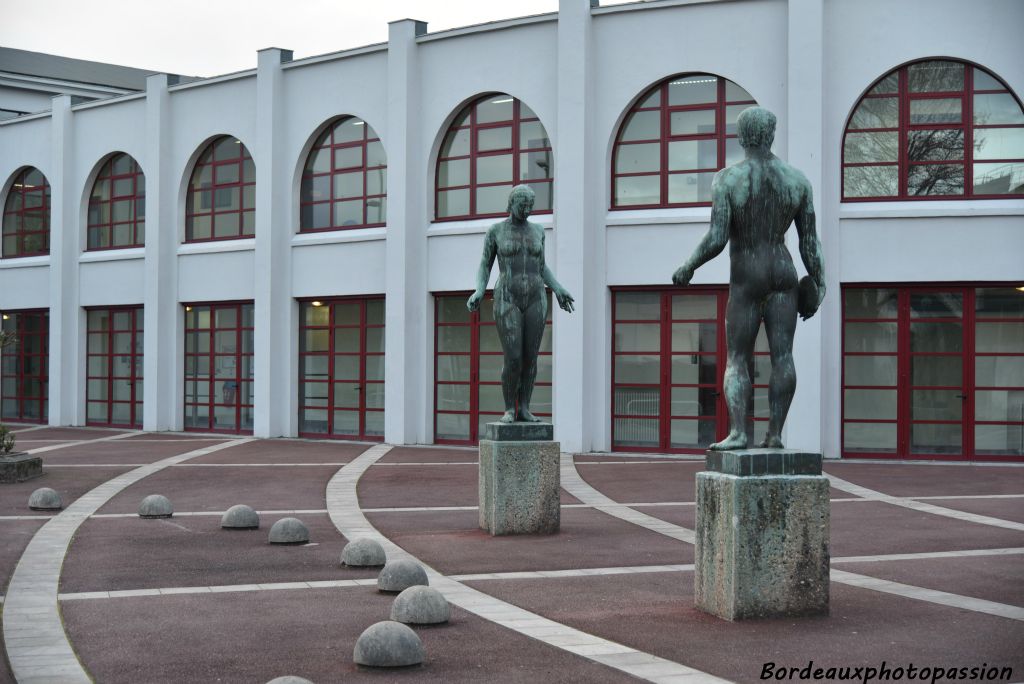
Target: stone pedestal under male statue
column 762, row 545
column 519, row 461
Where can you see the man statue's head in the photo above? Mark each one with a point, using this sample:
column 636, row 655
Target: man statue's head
column 520, row 201
column 756, row 127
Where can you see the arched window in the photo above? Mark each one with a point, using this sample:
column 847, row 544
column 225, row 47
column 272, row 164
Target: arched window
column 935, row 129
column 495, row 143
column 674, row 139
column 344, row 184
column 221, row 202
column 26, row 222
column 117, row 205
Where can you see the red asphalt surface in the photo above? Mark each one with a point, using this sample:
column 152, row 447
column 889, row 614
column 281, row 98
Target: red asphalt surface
column 254, row 636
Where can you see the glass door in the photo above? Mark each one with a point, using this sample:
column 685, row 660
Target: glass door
column 936, row 394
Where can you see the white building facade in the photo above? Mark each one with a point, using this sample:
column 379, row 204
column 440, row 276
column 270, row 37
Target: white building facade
column 289, row 325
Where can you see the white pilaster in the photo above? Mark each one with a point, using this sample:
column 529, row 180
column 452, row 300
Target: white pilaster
column 67, row 395
column 804, row 127
column 406, row 296
column 163, row 343
column 578, row 262
column 276, row 314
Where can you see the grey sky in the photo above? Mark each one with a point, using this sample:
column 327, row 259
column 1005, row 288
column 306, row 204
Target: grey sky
column 209, row 37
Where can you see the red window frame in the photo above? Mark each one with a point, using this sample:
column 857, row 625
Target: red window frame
column 666, row 319
column 905, row 385
column 329, row 144
column 235, row 388
column 30, row 185
column 101, row 362
column 231, row 173
column 474, row 322
column 665, row 110
column 904, row 129
column 119, row 174
column 467, row 121
column 17, row 364
column 369, row 334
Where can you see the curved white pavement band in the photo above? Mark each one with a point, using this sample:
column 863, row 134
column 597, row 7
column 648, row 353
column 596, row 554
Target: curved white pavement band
column 343, row 507
column 80, row 442
column 872, row 495
column 37, row 646
column 574, row 483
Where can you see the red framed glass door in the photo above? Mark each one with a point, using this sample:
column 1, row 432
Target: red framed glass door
column 933, row 372
column 467, row 369
column 668, row 357
column 341, row 368
column 219, row 367
column 114, row 367
column 24, row 367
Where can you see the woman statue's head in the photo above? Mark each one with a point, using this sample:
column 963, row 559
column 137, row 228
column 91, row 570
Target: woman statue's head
column 520, row 201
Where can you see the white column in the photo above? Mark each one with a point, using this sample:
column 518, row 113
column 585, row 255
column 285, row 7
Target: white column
column 804, row 124
column 407, row 299
column 276, row 314
column 578, row 261
column 66, row 391
column 163, row 343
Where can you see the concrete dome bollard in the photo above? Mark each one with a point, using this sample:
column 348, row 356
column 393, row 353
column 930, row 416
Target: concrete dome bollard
column 421, row 605
column 45, row 499
column 363, row 553
column 388, row 644
column 289, row 679
column 240, row 517
column 289, row 531
column 156, row 506
column 399, row 575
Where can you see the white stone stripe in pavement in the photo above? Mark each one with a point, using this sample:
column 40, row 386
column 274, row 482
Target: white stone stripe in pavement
column 579, row 488
column 912, row 504
column 343, row 505
column 931, row 595
column 38, row 649
column 80, row 442
column 573, row 483
column 187, row 514
column 513, row 575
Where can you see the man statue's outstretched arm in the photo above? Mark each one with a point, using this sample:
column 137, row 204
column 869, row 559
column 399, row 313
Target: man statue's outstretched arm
column 810, row 246
column 714, row 241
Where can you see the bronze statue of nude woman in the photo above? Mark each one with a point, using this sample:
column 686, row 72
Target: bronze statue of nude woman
column 520, row 303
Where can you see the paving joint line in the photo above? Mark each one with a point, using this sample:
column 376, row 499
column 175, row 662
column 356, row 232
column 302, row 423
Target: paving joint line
column 343, row 505
column 31, row 616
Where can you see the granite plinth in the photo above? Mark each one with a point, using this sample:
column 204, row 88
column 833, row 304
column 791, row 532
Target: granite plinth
column 19, row 467
column 762, row 547
column 519, row 483
column 519, row 432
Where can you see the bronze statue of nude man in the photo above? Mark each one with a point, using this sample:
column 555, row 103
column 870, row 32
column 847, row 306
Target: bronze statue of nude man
column 754, row 203
column 520, row 303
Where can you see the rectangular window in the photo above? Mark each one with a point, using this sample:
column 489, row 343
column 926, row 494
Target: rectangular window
column 933, row 372
column 341, row 368
column 219, row 367
column 467, row 370
column 24, row 367
column 113, row 374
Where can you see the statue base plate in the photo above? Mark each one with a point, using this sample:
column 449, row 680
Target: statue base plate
column 762, row 545
column 519, row 480
column 19, row 467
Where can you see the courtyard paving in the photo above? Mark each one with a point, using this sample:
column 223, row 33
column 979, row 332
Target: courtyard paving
column 927, row 569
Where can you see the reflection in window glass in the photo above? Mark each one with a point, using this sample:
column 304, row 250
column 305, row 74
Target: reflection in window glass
column 493, row 143
column 347, row 162
column 216, row 207
column 935, row 111
column 219, row 367
column 683, row 124
column 26, row 219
